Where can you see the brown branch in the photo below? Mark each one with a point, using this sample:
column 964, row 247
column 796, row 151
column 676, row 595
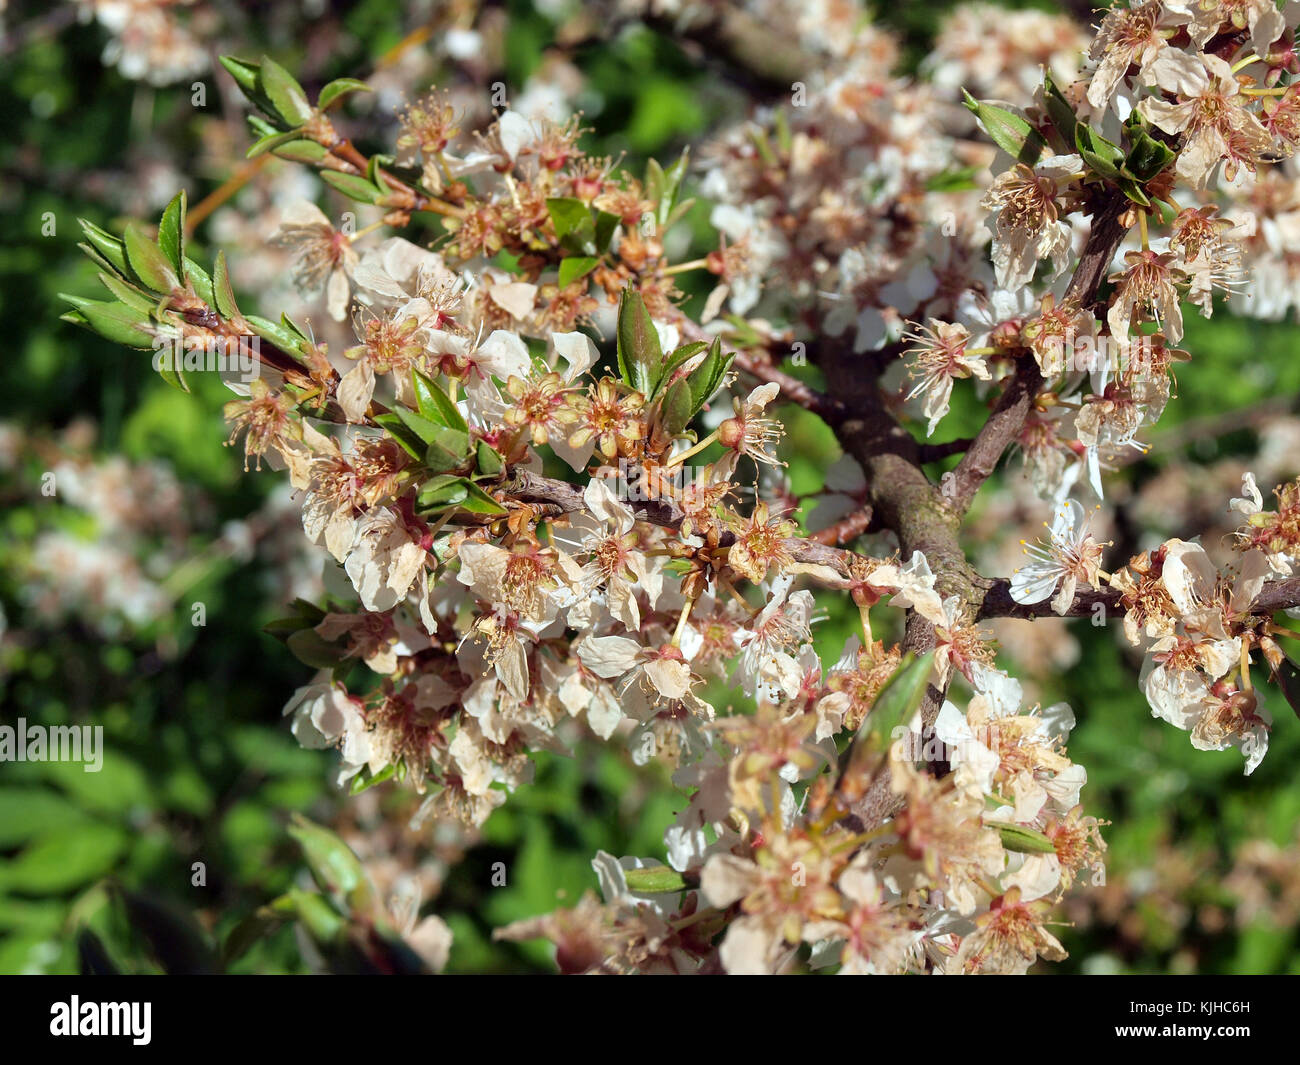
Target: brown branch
column 996, row 435
column 925, row 517
column 1008, row 417
column 849, row 527
column 793, row 390
column 565, row 498
column 935, row 452
column 1274, row 596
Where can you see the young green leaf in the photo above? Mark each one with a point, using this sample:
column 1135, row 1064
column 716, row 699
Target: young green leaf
column 244, row 73
column 353, row 186
column 435, row 404
column 147, row 260
column 335, row 867
column 119, row 323
column 640, row 357
column 448, row 450
column 574, row 226
column 654, row 880
column 1007, row 130
column 677, row 407
column 171, row 233
column 444, row 490
column 409, row 440
column 339, row 88
column 1099, row 155
column 223, row 295
column 490, row 462
column 893, row 708
column 1023, row 840
column 576, row 267
column 284, row 92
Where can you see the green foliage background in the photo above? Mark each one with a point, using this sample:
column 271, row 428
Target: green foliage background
column 201, row 768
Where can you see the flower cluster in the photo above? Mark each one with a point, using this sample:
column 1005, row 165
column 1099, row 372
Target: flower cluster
column 517, row 563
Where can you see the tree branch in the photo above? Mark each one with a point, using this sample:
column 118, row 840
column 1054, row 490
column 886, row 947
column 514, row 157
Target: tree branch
column 1008, row 417
column 565, row 498
column 1274, row 596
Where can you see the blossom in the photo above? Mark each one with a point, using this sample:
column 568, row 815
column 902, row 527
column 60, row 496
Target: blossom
column 1214, row 122
column 749, row 431
column 1008, row 938
column 1071, row 555
column 940, row 357
column 1028, row 226
column 323, row 257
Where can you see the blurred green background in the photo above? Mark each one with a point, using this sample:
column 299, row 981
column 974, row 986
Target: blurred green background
column 1203, row 863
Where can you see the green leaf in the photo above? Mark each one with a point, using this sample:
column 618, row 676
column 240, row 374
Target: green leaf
column 64, row 860
column 244, row 73
column 1007, row 130
column 272, row 140
column 606, row 224
column 1099, row 155
column 448, row 450
column 479, row 502
column 677, row 408
column 283, row 628
column 640, row 357
column 338, row 88
column 120, row 323
column 106, row 244
column 707, row 378
column 128, row 294
column 199, row 280
column 331, row 861
column 250, row 930
column 407, row 438
column 1133, row 190
column 663, row 186
column 426, row 429
column 679, row 357
column 223, row 295
column 1023, row 840
column 285, row 94
column 1147, row 156
column 171, row 233
column 489, row 459
column 959, row 180
column 574, row 225
column 893, row 709
column 300, row 151
column 279, row 335
column 147, row 260
column 312, row 649
column 352, row 186
column 364, row 780
column 261, row 126
column 322, row 921
column 435, row 404
column 576, row 267
column 655, row 880
column 1059, row 110
column 442, row 491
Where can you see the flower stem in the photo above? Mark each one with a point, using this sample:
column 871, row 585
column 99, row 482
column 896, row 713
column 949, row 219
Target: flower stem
column 677, row 460
column 678, row 632
column 681, row 268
